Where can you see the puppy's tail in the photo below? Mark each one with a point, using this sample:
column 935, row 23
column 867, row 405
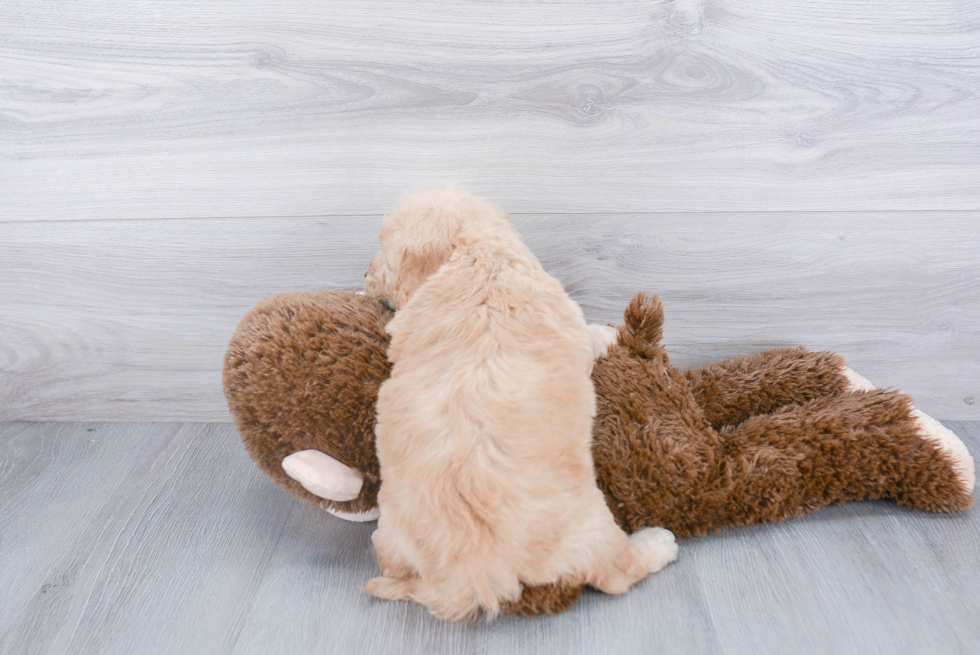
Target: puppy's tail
column 643, row 325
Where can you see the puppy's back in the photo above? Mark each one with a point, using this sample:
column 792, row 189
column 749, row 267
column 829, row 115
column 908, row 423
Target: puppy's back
column 483, row 435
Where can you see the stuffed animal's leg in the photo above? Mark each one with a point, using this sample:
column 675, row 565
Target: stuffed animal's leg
column 931, row 429
column 543, row 599
column 731, row 391
column 831, row 450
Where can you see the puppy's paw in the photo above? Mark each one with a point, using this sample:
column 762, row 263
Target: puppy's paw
column 656, row 545
column 857, row 382
column 388, row 588
column 601, row 337
column 947, row 441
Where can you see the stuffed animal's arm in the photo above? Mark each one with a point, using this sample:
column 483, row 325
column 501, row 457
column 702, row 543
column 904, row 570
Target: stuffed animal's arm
column 731, row 391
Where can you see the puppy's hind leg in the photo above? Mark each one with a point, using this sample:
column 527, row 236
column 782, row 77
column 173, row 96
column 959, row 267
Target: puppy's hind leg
column 398, row 579
column 656, row 547
column 390, row 588
column 646, row 551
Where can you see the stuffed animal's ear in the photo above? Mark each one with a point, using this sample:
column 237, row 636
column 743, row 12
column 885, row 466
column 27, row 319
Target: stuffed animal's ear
column 323, row 476
column 643, row 325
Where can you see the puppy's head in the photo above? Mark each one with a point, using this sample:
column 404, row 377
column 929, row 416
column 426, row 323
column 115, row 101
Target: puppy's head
column 421, row 233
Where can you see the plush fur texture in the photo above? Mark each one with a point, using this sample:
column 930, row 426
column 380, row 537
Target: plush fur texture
column 303, row 373
column 760, row 438
column 485, row 426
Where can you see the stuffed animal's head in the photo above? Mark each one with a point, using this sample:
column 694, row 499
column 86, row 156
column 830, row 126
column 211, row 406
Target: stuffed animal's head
column 301, row 376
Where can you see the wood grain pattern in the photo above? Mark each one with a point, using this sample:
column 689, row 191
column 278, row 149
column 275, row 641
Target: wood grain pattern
column 128, row 320
column 53, row 480
column 169, row 558
column 299, row 108
column 179, row 545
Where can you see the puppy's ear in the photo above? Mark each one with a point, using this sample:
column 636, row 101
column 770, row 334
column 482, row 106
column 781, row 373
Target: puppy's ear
column 419, row 259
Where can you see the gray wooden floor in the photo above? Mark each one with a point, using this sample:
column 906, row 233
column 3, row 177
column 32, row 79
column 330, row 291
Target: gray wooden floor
column 164, row 538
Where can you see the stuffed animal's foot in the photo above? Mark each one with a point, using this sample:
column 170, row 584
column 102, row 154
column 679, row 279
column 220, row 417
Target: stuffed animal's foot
column 656, row 545
column 323, row 476
column 601, row 337
column 857, row 382
column 932, row 430
column 947, row 441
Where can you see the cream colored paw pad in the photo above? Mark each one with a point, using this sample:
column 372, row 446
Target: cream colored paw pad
column 949, row 443
column 657, row 546
column 857, row 382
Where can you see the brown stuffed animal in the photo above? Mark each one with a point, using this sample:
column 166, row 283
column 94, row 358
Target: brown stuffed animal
column 760, row 438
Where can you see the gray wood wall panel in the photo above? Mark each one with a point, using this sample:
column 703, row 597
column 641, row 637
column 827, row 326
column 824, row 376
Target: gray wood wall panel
column 180, row 545
column 165, row 164
column 231, row 108
column 128, row 320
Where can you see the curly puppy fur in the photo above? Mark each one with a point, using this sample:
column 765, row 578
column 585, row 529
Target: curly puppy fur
column 485, row 426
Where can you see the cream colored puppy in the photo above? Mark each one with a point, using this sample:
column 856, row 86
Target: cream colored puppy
column 485, row 426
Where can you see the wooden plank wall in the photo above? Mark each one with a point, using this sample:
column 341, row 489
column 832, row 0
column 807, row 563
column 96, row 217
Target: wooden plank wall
column 781, row 172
